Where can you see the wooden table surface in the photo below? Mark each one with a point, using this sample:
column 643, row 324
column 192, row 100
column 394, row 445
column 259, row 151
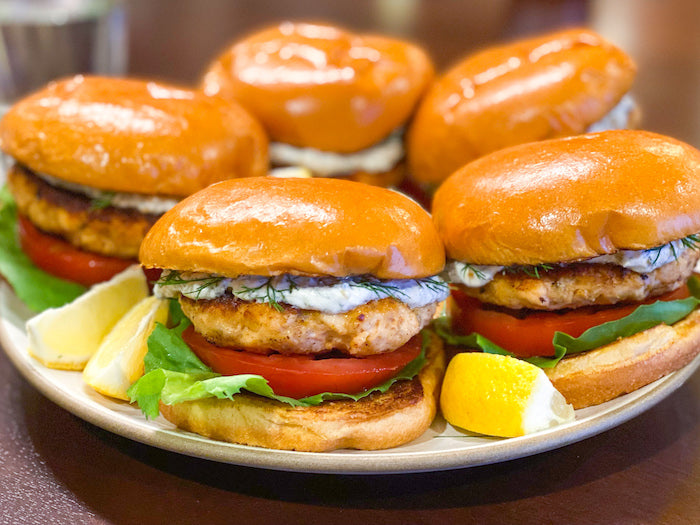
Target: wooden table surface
column 56, row 468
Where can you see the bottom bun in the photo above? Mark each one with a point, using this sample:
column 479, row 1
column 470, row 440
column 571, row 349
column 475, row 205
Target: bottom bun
column 599, row 375
column 377, row 421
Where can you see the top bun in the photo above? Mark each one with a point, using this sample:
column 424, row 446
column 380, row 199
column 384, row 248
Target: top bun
column 133, row 136
column 321, row 87
column 545, row 87
column 271, row 226
column 569, row 199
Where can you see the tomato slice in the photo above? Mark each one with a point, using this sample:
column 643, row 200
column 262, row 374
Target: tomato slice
column 302, row 376
column 532, row 334
column 64, row 260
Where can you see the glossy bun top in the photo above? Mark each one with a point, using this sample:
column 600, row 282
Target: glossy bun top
column 133, row 136
column 272, row 226
column 319, row 86
column 569, row 199
column 549, row 86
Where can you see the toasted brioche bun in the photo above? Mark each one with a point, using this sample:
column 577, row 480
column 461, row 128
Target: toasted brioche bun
column 271, row 226
column 549, row 86
column 133, row 136
column 319, row 86
column 572, row 198
column 377, row 421
column 621, row 367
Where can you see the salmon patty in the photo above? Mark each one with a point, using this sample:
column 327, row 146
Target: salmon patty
column 579, row 284
column 110, row 231
column 373, row 328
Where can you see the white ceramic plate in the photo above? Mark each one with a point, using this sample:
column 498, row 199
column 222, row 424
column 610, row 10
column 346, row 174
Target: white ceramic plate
column 442, row 447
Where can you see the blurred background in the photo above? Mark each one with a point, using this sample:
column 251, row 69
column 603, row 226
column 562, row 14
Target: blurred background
column 174, row 40
column 645, row 471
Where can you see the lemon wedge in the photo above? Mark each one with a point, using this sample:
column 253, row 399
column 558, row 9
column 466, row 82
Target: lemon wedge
column 118, row 361
column 499, row 395
column 66, row 337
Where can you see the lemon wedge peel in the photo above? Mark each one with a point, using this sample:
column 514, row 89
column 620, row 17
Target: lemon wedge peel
column 66, row 337
column 118, row 362
column 501, row 396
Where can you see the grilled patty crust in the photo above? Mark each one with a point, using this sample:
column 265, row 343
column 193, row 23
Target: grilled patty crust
column 373, row 328
column 110, row 231
column 579, row 284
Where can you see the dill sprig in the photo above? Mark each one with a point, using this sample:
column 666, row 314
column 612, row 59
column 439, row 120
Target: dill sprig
column 691, row 242
column 379, row 288
column 477, row 273
column 272, row 293
column 433, row 284
column 530, row 271
column 272, row 296
column 175, row 277
column 103, row 201
column 657, row 252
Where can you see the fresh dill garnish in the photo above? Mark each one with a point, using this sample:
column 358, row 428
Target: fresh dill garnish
column 272, row 290
column 103, row 201
column 175, row 277
column 657, row 251
column 379, row 288
column 691, row 241
column 433, row 284
column 530, row 271
column 477, row 273
column 272, row 296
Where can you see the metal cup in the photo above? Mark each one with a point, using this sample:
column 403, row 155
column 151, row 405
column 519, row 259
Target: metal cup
column 41, row 40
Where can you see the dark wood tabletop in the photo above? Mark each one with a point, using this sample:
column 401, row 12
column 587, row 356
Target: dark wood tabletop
column 57, row 468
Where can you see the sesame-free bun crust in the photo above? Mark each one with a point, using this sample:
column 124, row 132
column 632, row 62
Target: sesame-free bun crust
column 569, row 199
column 378, row 421
column 544, row 87
column 272, row 226
column 319, row 86
column 621, row 367
column 133, row 136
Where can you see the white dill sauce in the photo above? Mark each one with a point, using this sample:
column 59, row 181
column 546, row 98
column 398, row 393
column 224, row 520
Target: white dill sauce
column 377, row 159
column 154, row 204
column 331, row 296
column 640, row 261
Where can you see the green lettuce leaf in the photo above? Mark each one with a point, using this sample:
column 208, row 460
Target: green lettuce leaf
column 642, row 318
column 174, row 374
column 442, row 327
column 167, row 350
column 35, row 288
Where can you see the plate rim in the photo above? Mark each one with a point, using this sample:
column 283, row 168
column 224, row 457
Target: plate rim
column 494, row 450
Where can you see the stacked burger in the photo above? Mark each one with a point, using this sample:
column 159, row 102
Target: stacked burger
column 309, row 295
column 554, row 85
column 302, row 308
column 555, row 244
column 331, row 101
column 98, row 160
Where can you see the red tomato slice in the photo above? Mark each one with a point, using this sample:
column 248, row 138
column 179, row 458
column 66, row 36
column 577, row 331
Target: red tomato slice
column 532, row 334
column 64, row 260
column 302, row 376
